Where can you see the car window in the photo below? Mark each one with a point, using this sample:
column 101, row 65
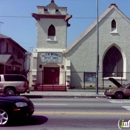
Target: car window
column 14, row 78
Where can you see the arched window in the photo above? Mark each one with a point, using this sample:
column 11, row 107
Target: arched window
column 113, row 63
column 51, row 31
column 113, row 24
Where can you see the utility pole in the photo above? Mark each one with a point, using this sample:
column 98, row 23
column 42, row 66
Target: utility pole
column 97, row 66
column 0, row 26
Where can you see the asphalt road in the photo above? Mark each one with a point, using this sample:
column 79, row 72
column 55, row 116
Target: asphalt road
column 74, row 114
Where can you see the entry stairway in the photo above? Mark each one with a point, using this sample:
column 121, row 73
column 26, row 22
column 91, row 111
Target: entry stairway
column 51, row 87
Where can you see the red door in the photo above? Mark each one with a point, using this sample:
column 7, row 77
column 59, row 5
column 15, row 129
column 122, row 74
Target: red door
column 51, row 75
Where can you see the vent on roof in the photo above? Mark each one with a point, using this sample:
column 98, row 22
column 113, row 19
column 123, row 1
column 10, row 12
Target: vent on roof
column 113, row 4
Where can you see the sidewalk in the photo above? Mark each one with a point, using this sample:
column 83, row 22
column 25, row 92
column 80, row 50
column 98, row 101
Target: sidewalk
column 67, row 94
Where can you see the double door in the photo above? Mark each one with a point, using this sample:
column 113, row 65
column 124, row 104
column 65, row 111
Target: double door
column 51, row 75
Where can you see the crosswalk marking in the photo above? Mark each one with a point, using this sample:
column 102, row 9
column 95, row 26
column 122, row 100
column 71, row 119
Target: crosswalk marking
column 121, row 102
column 126, row 107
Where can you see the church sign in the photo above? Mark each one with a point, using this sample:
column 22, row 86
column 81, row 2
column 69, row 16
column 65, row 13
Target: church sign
column 51, row 57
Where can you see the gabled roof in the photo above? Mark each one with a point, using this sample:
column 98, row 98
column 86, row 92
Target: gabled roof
column 3, row 36
column 52, row 5
column 6, row 37
column 111, row 7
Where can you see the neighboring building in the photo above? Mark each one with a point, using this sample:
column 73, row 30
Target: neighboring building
column 12, row 56
column 53, row 63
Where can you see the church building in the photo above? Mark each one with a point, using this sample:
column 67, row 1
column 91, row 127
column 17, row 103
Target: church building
column 56, row 66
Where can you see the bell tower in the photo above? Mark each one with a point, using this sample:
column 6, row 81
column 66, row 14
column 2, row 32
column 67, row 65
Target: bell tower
column 52, row 23
column 47, row 58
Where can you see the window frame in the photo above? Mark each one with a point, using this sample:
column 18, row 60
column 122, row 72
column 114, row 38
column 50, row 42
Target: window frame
column 114, row 63
column 51, row 31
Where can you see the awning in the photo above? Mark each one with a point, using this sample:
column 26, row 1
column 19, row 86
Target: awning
column 4, row 58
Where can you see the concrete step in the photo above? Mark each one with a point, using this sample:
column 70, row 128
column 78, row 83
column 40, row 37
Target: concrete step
column 50, row 88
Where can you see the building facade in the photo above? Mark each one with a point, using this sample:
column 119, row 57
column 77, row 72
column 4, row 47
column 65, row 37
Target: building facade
column 48, row 61
column 12, row 56
column 53, row 63
column 113, row 50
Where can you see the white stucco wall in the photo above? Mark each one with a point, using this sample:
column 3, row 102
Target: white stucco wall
column 42, row 33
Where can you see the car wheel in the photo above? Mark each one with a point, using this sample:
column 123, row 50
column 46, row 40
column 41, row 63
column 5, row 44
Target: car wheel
column 119, row 95
column 4, row 117
column 9, row 91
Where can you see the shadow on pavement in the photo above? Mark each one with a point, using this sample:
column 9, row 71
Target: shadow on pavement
column 33, row 96
column 33, row 120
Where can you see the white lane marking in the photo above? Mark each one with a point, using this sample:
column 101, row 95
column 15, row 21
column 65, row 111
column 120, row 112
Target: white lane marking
column 126, row 107
column 47, row 104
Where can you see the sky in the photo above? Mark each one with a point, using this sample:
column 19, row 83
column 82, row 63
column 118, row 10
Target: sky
column 16, row 20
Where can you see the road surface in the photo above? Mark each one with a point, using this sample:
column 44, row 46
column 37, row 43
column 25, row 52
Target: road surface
column 75, row 114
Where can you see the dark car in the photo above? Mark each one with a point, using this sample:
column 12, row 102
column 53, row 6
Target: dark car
column 14, row 106
column 120, row 92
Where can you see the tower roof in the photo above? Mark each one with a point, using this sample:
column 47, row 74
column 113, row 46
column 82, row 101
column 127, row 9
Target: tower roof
column 52, row 1
column 52, row 11
column 52, row 5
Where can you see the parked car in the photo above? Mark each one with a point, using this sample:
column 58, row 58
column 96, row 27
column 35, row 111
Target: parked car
column 12, row 84
column 12, row 107
column 120, row 92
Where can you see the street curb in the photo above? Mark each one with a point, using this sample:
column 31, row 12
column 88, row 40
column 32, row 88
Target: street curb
column 59, row 96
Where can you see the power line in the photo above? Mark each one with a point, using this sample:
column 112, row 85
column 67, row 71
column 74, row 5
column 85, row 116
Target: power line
column 16, row 16
column 76, row 17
